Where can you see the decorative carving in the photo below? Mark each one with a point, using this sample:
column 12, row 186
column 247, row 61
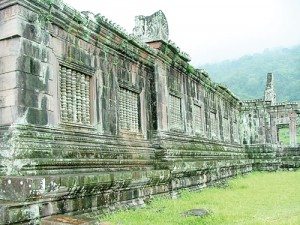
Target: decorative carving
column 152, row 28
column 128, row 110
column 74, row 96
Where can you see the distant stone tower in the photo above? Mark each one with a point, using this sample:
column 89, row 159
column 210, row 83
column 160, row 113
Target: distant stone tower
column 270, row 94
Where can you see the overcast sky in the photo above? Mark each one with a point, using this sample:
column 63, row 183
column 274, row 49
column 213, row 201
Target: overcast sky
column 211, row 30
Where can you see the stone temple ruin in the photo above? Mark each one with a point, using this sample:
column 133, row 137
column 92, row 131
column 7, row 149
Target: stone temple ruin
column 92, row 118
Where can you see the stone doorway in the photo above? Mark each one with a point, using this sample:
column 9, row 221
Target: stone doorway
column 283, row 134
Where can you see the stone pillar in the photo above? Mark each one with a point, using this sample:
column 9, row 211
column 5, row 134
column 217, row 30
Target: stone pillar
column 293, row 129
column 144, row 109
column 27, row 64
column 273, row 129
column 10, row 76
column 187, row 106
column 161, row 87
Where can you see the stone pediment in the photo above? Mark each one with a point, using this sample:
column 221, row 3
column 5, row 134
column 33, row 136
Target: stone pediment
column 152, row 28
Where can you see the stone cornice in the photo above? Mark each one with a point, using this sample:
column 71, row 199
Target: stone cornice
column 99, row 31
column 94, row 30
column 6, row 3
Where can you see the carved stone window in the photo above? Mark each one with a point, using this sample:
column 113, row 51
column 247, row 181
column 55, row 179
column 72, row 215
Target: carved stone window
column 175, row 113
column 197, row 120
column 128, row 110
column 74, row 96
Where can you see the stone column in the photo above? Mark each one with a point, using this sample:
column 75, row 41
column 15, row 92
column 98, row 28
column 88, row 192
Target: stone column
column 161, row 95
column 143, row 108
column 273, row 129
column 27, row 64
column 293, row 129
column 10, row 74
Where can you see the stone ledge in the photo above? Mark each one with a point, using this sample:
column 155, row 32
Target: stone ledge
column 68, row 220
column 39, row 187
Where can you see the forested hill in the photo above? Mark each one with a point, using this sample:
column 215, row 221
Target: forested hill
column 246, row 77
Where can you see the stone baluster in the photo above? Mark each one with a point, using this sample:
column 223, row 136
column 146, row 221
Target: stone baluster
column 135, row 112
column 127, row 111
column 74, row 97
column 121, row 118
column 69, row 95
column 79, row 98
column 87, row 97
column 83, row 99
column 63, row 96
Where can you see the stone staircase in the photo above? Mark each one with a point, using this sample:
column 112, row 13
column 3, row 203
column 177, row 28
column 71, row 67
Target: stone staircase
column 290, row 157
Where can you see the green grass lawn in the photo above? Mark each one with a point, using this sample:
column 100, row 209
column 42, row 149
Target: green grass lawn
column 257, row 198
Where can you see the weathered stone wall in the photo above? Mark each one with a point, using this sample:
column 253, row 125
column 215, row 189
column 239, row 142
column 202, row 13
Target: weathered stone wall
column 255, row 122
column 92, row 117
column 26, row 62
column 266, row 157
column 261, row 121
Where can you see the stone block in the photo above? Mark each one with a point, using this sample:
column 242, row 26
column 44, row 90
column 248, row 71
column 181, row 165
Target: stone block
column 11, row 28
column 68, row 220
column 32, row 82
column 31, row 48
column 30, row 65
column 32, row 32
column 8, row 115
column 8, row 81
column 7, row 13
column 11, row 114
column 37, row 116
column 8, row 64
column 8, row 98
column 10, row 47
column 22, row 188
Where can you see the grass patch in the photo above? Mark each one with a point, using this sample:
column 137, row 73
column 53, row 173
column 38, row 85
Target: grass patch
column 284, row 135
column 258, row 198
